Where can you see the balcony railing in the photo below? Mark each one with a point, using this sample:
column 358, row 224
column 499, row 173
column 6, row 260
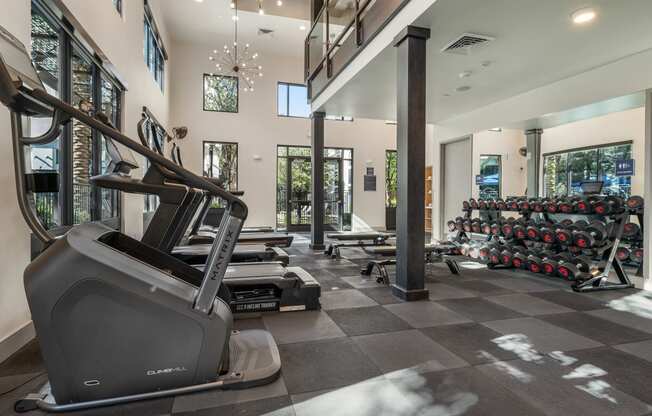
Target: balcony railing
column 338, row 35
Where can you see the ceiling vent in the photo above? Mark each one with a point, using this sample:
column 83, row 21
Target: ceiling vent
column 466, row 43
column 265, row 32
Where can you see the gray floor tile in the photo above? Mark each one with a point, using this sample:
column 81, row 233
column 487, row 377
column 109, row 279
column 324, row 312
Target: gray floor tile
column 480, row 287
column 440, row 291
column 465, row 391
column 375, row 397
column 157, row 407
column 26, row 360
column 364, row 321
column 543, row 336
column 406, row 349
column 362, row 282
column 278, row 406
column 624, row 318
column 343, row 299
column 543, row 386
column 425, row 314
column 524, row 285
column 302, row 326
column 528, row 305
column 641, row 349
column 480, row 309
column 601, row 330
column 323, row 365
column 572, row 300
column 303, row 397
column 383, row 295
column 219, row 398
column 249, row 323
column 624, row 372
column 470, row 342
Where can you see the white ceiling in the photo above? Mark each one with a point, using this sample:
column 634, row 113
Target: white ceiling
column 536, row 47
column 210, row 23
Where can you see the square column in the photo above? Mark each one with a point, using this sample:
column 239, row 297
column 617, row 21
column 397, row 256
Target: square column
column 317, row 209
column 411, row 155
column 533, row 144
column 647, row 192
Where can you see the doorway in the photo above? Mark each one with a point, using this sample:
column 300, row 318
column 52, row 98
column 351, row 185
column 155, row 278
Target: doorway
column 294, row 182
column 456, row 177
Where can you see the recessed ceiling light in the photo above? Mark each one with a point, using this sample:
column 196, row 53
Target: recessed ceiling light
column 302, row 27
column 463, row 88
column 583, row 16
column 199, row 1
column 279, row 3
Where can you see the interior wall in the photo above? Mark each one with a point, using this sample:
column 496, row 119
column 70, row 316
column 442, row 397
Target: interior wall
column 505, row 143
column 104, row 25
column 258, row 130
column 610, row 128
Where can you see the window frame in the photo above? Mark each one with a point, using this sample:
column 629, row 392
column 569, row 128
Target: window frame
column 68, row 43
column 287, row 86
column 568, row 152
column 237, row 158
column 237, row 96
column 500, row 172
column 151, row 32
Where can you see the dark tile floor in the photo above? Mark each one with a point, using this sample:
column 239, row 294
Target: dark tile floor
column 486, row 343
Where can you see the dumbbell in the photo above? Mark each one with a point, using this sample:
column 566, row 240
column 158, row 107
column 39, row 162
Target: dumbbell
column 476, row 225
column 538, row 205
column 567, row 206
column 552, row 206
column 520, row 232
column 631, row 230
column 485, row 251
column 551, row 263
column 507, row 255
column 523, row 205
column 459, row 224
column 637, row 255
column 574, row 267
column 535, row 260
column 608, row 205
column 585, row 205
column 486, row 228
column 547, row 233
column 593, row 234
column 466, row 206
column 473, row 203
column 451, row 226
column 491, row 205
column 466, row 225
column 494, row 255
column 482, row 204
column 623, row 254
column 500, row 204
column 635, row 203
column 533, row 231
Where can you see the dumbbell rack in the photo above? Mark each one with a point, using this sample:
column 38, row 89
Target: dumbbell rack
column 607, row 253
column 601, row 281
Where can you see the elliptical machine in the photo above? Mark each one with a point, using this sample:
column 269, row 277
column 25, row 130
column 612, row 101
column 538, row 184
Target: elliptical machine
column 117, row 320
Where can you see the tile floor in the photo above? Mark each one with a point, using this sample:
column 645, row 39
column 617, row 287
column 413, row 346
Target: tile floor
column 486, row 343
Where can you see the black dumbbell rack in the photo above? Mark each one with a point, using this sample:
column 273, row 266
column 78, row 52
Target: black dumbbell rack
column 606, row 253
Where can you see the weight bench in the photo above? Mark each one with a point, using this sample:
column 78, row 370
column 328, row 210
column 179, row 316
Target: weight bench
column 366, row 239
column 433, row 253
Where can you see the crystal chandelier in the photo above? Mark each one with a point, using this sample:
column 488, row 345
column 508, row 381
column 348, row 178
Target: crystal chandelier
column 237, row 61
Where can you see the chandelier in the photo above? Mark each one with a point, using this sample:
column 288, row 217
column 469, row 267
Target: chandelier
column 237, row 60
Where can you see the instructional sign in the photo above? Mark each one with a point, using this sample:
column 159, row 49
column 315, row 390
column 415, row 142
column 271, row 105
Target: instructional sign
column 479, row 180
column 625, row 167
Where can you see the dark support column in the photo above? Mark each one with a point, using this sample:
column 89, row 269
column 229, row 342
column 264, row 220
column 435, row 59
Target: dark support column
column 533, row 144
column 411, row 156
column 317, row 143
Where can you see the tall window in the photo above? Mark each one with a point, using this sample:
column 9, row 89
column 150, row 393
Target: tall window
column 490, row 171
column 221, row 161
column 293, row 100
column 154, row 51
column 220, row 93
column 564, row 172
column 118, row 5
column 80, row 152
column 391, row 184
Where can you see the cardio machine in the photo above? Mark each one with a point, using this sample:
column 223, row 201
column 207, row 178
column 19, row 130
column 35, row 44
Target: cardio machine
column 118, row 321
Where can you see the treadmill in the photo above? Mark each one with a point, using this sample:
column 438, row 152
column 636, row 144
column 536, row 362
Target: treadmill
column 254, row 287
column 171, row 236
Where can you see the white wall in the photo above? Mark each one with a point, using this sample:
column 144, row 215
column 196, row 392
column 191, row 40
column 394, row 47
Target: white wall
column 614, row 127
column 505, row 143
column 258, row 130
column 121, row 41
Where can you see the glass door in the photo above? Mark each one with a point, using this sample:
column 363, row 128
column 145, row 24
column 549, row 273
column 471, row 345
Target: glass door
column 299, row 198
column 333, row 194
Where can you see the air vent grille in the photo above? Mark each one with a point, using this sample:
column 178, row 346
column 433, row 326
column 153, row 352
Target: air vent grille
column 466, row 42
